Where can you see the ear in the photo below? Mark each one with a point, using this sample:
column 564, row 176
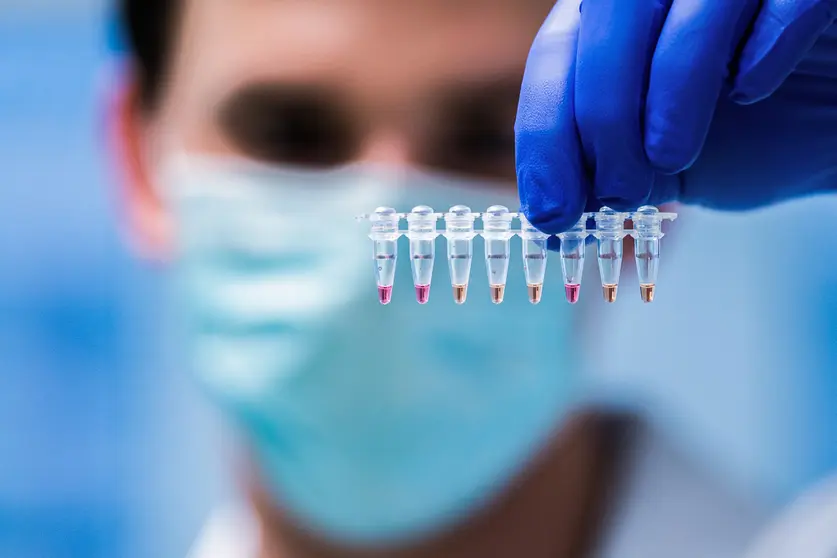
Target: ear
column 147, row 224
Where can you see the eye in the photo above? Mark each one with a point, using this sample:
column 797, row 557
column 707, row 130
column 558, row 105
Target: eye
column 475, row 135
column 290, row 125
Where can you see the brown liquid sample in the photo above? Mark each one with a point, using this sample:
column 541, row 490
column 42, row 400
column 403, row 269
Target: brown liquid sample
column 460, row 293
column 498, row 292
column 535, row 293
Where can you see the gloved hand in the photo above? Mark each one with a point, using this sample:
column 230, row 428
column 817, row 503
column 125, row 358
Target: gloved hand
column 725, row 103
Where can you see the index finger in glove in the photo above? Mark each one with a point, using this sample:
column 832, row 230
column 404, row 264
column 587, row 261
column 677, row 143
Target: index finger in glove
column 551, row 177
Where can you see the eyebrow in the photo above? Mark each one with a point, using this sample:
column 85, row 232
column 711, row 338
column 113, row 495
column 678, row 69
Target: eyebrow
column 505, row 85
column 273, row 93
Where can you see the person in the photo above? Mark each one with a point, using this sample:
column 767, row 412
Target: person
column 250, row 134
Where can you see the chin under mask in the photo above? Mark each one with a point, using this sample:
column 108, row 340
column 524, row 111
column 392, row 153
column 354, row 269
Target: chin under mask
column 370, row 424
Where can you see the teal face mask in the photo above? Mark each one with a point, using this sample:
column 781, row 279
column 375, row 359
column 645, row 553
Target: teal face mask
column 370, row 423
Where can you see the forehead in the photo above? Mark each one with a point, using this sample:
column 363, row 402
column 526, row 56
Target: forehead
column 375, row 45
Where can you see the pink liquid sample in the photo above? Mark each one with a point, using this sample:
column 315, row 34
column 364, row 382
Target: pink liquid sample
column 385, row 294
column 572, row 293
column 422, row 293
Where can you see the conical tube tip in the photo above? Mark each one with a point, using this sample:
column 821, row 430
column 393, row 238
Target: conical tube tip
column 610, row 292
column 385, row 295
column 460, row 293
column 498, row 292
column 572, row 292
column 535, row 293
column 647, row 292
column 422, row 293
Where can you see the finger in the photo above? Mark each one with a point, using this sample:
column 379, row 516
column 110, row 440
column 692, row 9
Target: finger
column 688, row 71
column 616, row 42
column 783, row 33
column 553, row 244
column 550, row 171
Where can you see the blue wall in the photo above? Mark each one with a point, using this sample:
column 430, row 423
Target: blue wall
column 105, row 450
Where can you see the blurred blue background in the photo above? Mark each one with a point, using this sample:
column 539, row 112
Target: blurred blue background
column 88, row 392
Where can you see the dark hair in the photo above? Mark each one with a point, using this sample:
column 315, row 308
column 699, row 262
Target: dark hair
column 149, row 29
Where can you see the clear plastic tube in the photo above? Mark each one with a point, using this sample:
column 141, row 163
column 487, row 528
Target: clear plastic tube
column 384, row 237
column 647, row 234
column 497, row 233
column 422, row 233
column 610, row 233
column 572, row 258
column 459, row 231
column 534, row 258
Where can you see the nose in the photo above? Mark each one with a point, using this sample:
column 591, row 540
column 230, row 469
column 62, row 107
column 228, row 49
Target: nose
column 386, row 146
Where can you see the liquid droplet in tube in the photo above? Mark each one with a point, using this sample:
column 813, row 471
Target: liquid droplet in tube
column 535, row 293
column 422, row 293
column 647, row 292
column 610, row 292
column 498, row 292
column 460, row 293
column 385, row 295
column 572, row 292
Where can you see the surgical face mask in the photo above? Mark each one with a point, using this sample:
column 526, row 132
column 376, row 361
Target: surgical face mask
column 370, row 424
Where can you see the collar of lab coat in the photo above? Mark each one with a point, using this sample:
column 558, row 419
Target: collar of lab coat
column 231, row 532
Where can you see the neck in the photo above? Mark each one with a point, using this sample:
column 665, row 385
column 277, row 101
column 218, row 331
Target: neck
column 554, row 509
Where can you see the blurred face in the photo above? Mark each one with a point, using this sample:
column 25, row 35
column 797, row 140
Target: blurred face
column 306, row 82
column 287, row 337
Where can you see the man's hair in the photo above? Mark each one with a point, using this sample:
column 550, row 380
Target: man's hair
column 149, row 28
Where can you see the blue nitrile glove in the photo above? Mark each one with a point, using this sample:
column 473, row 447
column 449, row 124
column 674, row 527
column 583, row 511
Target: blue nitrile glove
column 725, row 103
